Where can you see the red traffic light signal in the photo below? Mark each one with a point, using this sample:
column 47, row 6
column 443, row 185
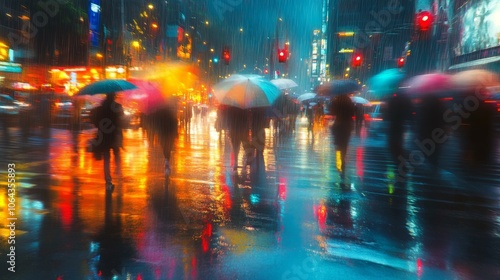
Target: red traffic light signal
column 401, row 62
column 282, row 56
column 357, row 60
column 424, row 20
column 226, row 55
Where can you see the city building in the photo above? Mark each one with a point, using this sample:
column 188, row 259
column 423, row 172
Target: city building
column 377, row 33
column 474, row 37
column 15, row 46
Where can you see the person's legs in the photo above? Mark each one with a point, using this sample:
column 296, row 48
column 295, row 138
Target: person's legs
column 107, row 169
column 167, row 146
column 235, row 143
column 118, row 160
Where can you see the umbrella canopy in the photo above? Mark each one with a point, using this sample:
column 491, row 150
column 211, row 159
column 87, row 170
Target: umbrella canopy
column 246, row 91
column 306, row 96
column 360, row 100
column 284, row 83
column 338, row 87
column 434, row 83
column 476, row 78
column 106, row 86
column 386, row 82
column 148, row 96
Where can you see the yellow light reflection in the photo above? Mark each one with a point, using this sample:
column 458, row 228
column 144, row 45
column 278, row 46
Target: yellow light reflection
column 338, row 160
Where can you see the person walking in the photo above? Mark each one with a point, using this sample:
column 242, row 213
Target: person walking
column 398, row 114
column 165, row 126
column 360, row 117
column 237, row 120
column 108, row 118
column 343, row 109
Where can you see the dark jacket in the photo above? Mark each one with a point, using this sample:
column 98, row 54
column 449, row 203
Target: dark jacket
column 108, row 118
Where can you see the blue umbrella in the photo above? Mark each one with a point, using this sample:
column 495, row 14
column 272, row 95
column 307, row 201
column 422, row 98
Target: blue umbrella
column 106, row 86
column 386, row 82
column 338, row 87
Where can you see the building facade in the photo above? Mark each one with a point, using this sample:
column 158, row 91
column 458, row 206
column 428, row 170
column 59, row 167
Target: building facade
column 376, row 31
column 474, row 34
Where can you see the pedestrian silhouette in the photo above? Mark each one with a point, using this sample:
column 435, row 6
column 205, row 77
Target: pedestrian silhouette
column 259, row 125
column 398, row 113
column 360, row 117
column 310, row 117
column 238, row 131
column 479, row 137
column 343, row 109
column 108, row 118
column 164, row 124
column 430, row 118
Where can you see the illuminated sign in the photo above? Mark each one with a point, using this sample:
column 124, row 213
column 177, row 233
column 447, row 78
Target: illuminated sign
column 94, row 22
column 346, row 34
column 95, row 8
column 346, row 51
column 10, row 67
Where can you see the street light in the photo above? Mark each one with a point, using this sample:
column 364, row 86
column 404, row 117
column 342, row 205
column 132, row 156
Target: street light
column 150, row 6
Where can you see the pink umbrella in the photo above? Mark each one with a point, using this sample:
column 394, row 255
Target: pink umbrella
column 433, row 83
column 148, row 95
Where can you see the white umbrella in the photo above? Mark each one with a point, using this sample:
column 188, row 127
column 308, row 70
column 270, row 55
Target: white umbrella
column 284, row 83
column 246, row 91
column 306, row 96
column 360, row 100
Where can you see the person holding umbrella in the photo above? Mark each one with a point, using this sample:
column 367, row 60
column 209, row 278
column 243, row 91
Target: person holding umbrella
column 238, row 131
column 165, row 125
column 343, row 109
column 108, row 118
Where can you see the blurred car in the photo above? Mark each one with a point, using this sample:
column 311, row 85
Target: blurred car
column 8, row 105
column 9, row 110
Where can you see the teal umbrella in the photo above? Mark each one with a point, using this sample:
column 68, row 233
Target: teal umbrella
column 106, row 86
column 386, row 82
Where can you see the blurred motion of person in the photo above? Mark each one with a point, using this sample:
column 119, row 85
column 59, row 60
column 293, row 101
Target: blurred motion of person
column 343, row 109
column 398, row 112
column 187, row 115
column 479, row 126
column 221, row 120
column 108, row 118
column 165, row 126
column 292, row 111
column 319, row 112
column 310, row 117
column 429, row 118
column 237, row 120
column 258, row 129
column 360, row 116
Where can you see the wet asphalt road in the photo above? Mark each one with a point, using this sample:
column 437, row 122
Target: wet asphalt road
column 292, row 218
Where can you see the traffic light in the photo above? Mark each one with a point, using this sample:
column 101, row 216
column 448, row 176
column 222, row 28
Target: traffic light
column 401, row 62
column 109, row 43
column 266, row 71
column 282, row 55
column 424, row 20
column 226, row 55
column 357, row 60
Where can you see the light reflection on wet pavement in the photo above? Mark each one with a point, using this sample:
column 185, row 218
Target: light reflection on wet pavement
column 294, row 220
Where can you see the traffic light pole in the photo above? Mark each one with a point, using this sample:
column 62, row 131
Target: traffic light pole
column 271, row 59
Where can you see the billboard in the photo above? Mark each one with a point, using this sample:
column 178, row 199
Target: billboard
column 479, row 27
column 94, row 22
